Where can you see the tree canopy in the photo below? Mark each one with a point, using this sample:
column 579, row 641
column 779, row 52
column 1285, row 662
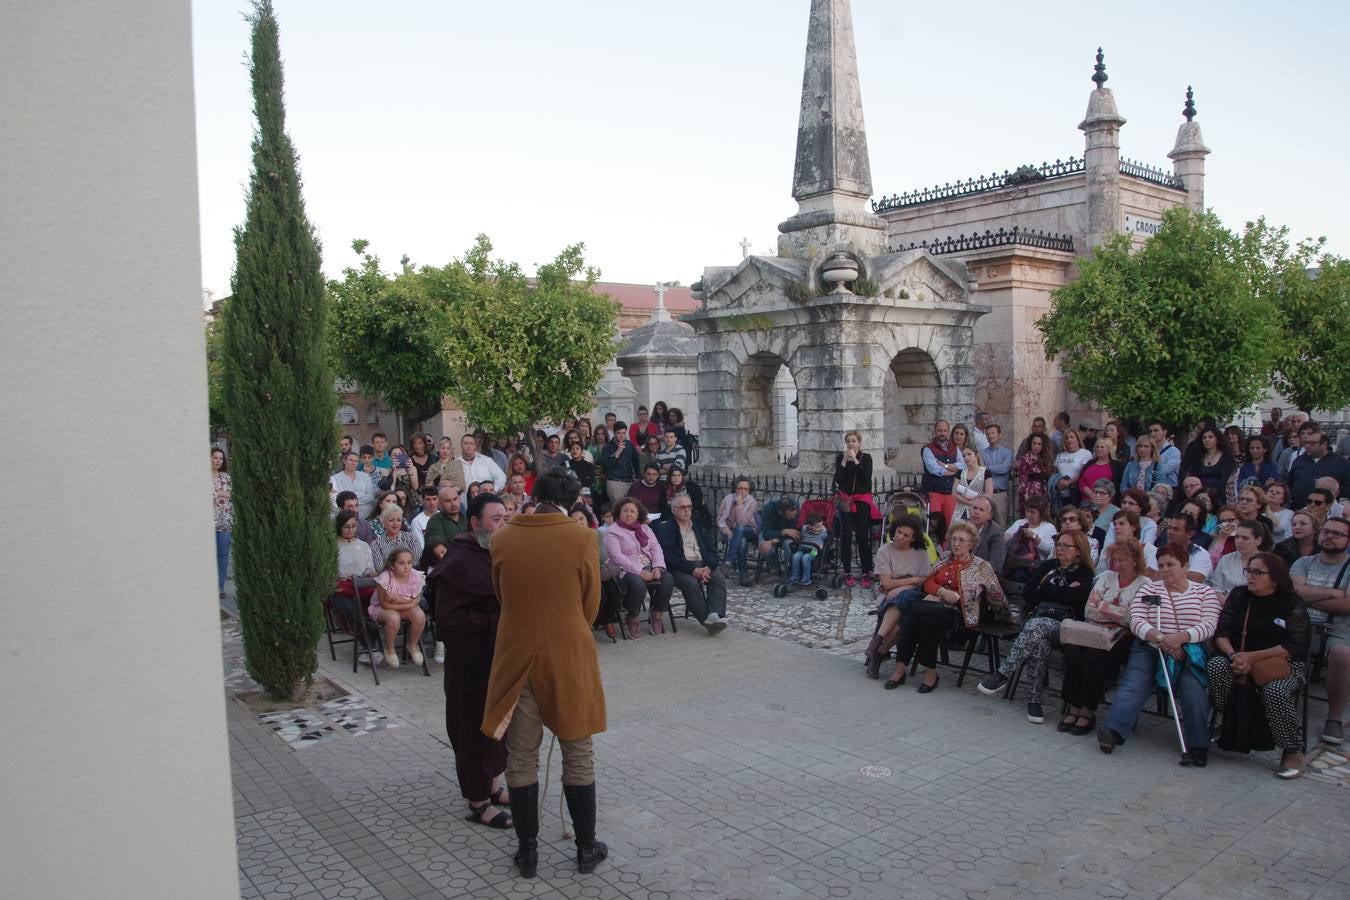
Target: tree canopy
column 1311, row 292
column 1178, row 330
column 511, row 350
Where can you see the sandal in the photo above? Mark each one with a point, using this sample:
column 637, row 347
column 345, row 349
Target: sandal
column 500, row 797
column 501, row 820
column 1063, row 727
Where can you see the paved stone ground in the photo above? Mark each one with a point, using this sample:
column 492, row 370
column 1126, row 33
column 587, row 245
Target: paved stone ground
column 751, row 765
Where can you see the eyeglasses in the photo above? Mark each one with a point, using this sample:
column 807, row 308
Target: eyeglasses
column 1343, row 535
column 1250, row 572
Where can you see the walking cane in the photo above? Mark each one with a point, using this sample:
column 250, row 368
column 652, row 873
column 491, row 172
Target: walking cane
column 1156, row 602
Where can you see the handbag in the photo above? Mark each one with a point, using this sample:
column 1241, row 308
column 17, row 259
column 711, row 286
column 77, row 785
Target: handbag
column 1088, row 634
column 1263, row 670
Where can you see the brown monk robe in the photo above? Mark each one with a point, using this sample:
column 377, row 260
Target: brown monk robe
column 546, row 571
column 466, row 620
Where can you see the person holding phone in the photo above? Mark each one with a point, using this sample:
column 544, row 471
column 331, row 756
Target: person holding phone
column 403, row 474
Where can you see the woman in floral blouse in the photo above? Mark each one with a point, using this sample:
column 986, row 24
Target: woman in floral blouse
column 220, row 485
column 1034, row 466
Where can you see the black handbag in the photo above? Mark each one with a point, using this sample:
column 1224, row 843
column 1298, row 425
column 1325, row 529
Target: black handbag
column 1056, row 611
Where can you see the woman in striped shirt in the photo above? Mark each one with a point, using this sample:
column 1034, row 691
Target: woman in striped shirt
column 1174, row 615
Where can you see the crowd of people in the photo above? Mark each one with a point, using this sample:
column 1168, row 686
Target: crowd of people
column 1215, row 567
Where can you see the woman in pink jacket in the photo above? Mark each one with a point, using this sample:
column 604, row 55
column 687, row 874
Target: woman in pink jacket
column 632, row 548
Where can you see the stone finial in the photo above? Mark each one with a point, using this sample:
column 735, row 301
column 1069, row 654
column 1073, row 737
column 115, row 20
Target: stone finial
column 1188, row 112
column 1099, row 70
column 832, row 177
column 831, row 136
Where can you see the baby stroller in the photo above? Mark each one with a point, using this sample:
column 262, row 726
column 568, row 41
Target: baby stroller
column 909, row 503
column 827, row 558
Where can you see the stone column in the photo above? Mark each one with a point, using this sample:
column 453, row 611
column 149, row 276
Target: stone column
column 1188, row 156
column 1101, row 130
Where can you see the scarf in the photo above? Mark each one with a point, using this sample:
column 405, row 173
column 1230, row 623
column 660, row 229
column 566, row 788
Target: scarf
column 638, row 532
column 1195, row 661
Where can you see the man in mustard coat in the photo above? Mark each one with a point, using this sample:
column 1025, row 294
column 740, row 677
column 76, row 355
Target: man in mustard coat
column 546, row 572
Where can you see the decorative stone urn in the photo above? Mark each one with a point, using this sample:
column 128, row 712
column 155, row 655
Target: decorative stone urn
column 839, row 270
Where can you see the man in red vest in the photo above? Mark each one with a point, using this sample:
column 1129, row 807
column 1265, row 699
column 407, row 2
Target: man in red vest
column 942, row 462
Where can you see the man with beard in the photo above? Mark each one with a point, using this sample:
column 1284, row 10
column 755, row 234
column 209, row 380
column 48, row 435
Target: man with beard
column 466, row 620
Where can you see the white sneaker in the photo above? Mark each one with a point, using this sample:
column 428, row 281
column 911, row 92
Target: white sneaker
column 438, row 654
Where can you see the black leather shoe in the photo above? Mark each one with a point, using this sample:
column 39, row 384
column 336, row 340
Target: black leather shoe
column 1198, row 758
column 929, row 688
column 1108, row 740
column 525, row 819
column 581, row 806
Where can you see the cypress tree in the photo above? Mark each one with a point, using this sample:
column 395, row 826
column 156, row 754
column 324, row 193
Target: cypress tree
column 278, row 400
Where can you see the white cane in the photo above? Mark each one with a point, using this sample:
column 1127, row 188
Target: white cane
column 1156, row 601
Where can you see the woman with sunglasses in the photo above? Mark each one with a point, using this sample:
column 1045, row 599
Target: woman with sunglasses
column 1263, row 636
column 1057, row 591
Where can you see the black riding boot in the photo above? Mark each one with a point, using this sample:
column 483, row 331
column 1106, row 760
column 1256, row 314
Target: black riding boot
column 581, row 805
column 525, row 817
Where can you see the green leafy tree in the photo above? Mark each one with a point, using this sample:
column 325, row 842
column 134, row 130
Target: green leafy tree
column 1311, row 292
column 512, row 351
column 278, row 400
column 215, row 373
column 1177, row 330
column 523, row 353
column 389, row 336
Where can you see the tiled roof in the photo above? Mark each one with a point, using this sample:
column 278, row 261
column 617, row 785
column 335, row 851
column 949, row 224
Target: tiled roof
column 643, row 296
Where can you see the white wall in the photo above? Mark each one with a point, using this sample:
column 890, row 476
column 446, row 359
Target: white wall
column 116, row 781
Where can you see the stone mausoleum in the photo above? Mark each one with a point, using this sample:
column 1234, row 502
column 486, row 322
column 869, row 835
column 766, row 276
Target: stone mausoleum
column 888, row 315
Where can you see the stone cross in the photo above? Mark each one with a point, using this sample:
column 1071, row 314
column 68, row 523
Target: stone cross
column 660, row 295
column 745, row 248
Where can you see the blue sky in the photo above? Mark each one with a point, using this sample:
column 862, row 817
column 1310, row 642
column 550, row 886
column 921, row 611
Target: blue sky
column 661, row 134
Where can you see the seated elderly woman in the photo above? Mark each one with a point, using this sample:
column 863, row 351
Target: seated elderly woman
column 633, row 549
column 901, row 567
column 1093, row 654
column 398, row 597
column 1262, row 642
column 1172, row 618
column 954, row 593
column 395, row 536
column 1058, row 590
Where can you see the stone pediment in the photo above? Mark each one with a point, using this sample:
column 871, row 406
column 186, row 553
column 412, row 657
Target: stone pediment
column 759, row 281
column 921, row 276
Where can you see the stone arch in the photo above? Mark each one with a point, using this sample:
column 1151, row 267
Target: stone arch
column 766, row 392
column 911, row 401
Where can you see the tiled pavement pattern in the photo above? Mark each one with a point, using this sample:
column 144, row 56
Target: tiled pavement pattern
column 731, row 769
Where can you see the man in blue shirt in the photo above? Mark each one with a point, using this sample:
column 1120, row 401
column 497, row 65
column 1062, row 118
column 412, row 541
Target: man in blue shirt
column 997, row 459
column 381, row 461
column 1169, row 457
